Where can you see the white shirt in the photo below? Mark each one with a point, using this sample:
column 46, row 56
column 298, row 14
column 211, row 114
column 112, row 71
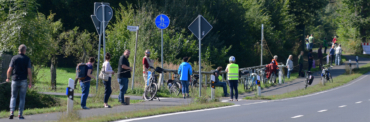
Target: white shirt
column 107, row 68
column 289, row 63
column 338, row 50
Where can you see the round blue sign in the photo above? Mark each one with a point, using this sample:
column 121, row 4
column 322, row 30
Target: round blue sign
column 162, row 21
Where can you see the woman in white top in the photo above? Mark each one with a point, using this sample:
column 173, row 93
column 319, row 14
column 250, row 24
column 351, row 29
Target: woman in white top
column 289, row 64
column 338, row 53
column 108, row 70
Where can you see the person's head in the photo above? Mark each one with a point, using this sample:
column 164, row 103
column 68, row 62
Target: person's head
column 335, row 36
column 22, row 49
column 291, row 57
column 92, row 60
column 107, row 56
column 311, row 34
column 275, row 57
column 310, row 51
column 185, row 59
column 232, row 59
column 219, row 68
column 147, row 53
column 340, row 45
column 302, row 52
column 127, row 53
column 332, row 46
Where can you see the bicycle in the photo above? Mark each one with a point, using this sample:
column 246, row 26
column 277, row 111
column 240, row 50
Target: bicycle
column 174, row 86
column 150, row 91
column 309, row 79
column 326, row 75
column 244, row 79
column 194, row 80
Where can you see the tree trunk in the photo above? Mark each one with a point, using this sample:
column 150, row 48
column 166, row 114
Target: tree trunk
column 53, row 72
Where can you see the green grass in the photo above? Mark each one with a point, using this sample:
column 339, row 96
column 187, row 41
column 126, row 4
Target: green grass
column 151, row 112
column 338, row 81
column 91, row 103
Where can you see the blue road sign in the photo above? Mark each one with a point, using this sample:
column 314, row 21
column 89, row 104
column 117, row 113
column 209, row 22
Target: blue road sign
column 108, row 13
column 162, row 21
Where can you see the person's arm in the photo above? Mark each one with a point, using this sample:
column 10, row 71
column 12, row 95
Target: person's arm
column 191, row 71
column 125, row 66
column 89, row 74
column 227, row 68
column 108, row 68
column 179, row 70
column 9, row 74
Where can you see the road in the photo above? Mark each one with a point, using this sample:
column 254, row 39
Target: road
column 348, row 103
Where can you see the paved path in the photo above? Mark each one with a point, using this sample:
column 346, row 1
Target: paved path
column 291, row 86
column 348, row 103
column 299, row 83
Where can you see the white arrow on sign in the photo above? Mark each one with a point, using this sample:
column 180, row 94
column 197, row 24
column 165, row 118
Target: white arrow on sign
column 133, row 28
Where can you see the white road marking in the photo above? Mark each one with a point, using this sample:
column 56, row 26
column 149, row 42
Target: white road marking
column 342, row 106
column 322, row 110
column 297, row 116
column 358, row 102
column 257, row 102
column 224, row 101
column 185, row 112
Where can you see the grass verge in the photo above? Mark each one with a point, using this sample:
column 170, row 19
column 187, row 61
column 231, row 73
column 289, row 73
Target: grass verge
column 338, row 81
column 151, row 112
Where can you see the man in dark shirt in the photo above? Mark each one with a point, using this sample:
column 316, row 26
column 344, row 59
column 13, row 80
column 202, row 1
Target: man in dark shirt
column 319, row 55
column 85, row 84
column 19, row 69
column 300, row 62
column 310, row 59
column 124, row 72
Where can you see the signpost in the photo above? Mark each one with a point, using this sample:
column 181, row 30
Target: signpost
column 103, row 13
column 200, row 27
column 162, row 22
column 134, row 28
column 262, row 45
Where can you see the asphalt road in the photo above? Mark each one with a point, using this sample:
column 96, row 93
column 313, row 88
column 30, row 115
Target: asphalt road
column 348, row 103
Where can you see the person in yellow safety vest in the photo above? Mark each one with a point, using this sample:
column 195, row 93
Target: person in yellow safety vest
column 232, row 70
column 218, row 78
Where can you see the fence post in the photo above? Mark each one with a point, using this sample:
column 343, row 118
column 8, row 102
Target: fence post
column 327, row 59
column 205, row 80
column 350, row 67
column 280, row 75
column 357, row 61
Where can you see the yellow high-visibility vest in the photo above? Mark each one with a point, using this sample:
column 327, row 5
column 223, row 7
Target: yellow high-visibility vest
column 233, row 71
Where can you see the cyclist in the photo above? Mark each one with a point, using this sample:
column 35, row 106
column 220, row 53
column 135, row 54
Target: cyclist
column 147, row 62
column 232, row 70
column 185, row 71
column 218, row 77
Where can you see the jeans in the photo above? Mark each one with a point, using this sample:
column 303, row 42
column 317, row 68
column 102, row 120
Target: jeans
column 21, row 88
column 223, row 85
column 300, row 69
column 308, row 46
column 309, row 65
column 123, row 85
column 337, row 59
column 332, row 59
column 233, row 87
column 311, row 45
column 185, row 86
column 85, row 87
column 108, row 89
column 288, row 74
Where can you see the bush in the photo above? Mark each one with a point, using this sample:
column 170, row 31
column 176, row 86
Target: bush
column 33, row 99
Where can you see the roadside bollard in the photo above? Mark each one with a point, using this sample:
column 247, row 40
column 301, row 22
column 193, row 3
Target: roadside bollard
column 280, row 76
column 327, row 59
column 213, row 78
column 350, row 67
column 357, row 61
column 69, row 93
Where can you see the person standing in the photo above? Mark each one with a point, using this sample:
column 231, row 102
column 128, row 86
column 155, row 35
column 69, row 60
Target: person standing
column 311, row 40
column 218, row 77
column 232, row 70
column 319, row 55
column 310, row 59
column 307, row 43
column 332, row 52
column 334, row 40
column 289, row 64
column 338, row 53
column 147, row 63
column 85, row 84
column 300, row 62
column 19, row 69
column 124, row 73
column 109, row 71
column 185, row 71
column 325, row 43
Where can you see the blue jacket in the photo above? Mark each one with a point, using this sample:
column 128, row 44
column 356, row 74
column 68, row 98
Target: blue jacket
column 184, row 71
column 332, row 51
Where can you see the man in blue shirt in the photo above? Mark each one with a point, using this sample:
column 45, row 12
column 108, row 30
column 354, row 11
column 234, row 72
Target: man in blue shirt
column 185, row 71
column 332, row 54
column 85, row 84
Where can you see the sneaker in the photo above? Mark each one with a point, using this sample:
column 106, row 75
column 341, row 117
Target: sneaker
column 108, row 106
column 20, row 117
column 11, row 116
column 123, row 103
column 85, row 107
column 184, row 97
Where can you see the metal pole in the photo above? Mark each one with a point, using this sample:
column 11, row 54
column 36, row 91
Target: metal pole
column 97, row 67
column 132, row 82
column 262, row 46
column 103, row 28
column 161, row 76
column 199, row 36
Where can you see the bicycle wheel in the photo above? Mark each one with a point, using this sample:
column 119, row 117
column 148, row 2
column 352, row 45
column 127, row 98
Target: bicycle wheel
column 245, row 84
column 175, row 89
column 331, row 78
column 306, row 84
column 150, row 91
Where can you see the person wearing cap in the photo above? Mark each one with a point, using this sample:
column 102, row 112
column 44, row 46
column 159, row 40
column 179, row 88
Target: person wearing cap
column 232, row 70
column 147, row 62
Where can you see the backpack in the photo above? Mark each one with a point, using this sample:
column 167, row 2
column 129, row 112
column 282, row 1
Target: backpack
column 81, row 71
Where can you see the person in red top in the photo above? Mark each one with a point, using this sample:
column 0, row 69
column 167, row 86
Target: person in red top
column 274, row 60
column 147, row 62
column 335, row 40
